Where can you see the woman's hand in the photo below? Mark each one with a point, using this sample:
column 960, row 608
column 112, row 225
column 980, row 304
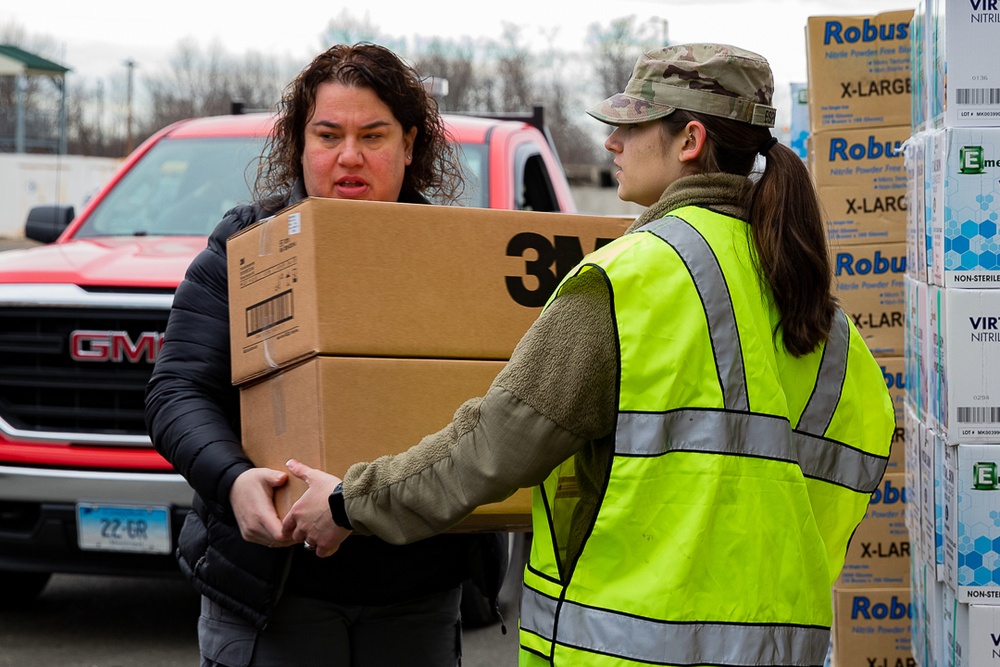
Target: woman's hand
column 310, row 520
column 252, row 499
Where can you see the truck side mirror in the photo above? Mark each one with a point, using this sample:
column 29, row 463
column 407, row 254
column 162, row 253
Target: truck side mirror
column 46, row 223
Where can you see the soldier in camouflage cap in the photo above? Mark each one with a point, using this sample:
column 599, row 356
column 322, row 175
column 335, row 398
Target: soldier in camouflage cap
column 714, row 79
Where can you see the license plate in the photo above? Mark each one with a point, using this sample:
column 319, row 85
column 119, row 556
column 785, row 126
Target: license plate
column 131, row 528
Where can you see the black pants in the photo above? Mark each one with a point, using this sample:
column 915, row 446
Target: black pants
column 303, row 632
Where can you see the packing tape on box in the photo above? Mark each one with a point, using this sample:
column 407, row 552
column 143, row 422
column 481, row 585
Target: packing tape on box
column 277, row 384
column 265, row 237
column 268, row 359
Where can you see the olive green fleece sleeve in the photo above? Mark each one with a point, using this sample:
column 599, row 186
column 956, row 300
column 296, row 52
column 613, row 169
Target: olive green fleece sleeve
column 556, row 394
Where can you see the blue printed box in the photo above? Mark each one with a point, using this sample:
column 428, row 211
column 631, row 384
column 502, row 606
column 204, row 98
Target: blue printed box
column 966, row 200
column 863, row 184
column 859, row 70
column 972, row 522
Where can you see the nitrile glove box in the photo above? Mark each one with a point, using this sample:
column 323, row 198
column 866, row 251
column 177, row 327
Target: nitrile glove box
column 879, row 551
column 965, row 249
column 872, row 626
column 972, row 536
column 869, row 282
column 967, row 356
column 859, row 70
column 976, row 633
column 965, row 63
column 862, row 182
column 914, row 431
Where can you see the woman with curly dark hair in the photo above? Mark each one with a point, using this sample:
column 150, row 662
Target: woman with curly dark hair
column 355, row 124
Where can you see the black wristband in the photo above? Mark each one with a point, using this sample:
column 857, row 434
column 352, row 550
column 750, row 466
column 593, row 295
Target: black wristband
column 337, row 508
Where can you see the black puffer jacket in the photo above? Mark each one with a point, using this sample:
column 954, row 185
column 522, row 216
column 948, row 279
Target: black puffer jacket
column 193, row 417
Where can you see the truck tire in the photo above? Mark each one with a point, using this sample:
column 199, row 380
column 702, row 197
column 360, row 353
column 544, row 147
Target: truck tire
column 21, row 588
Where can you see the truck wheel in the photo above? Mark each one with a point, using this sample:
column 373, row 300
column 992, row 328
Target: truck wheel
column 21, row 588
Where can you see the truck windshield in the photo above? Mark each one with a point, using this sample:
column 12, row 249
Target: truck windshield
column 474, row 158
column 183, row 187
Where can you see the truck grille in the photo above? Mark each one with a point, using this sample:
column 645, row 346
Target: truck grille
column 78, row 373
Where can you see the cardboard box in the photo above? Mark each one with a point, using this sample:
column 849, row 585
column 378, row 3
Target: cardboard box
column 879, row 552
column 859, row 70
column 869, row 282
column 966, row 198
column 335, row 277
column 862, row 182
column 872, row 626
column 895, row 380
column 332, row 412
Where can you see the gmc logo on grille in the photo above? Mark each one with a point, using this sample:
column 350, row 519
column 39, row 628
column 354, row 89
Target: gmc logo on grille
column 116, row 346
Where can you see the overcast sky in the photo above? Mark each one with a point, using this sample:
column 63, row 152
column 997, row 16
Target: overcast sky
column 97, row 37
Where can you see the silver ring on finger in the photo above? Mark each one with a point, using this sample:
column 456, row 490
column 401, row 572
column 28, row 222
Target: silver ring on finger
column 309, row 547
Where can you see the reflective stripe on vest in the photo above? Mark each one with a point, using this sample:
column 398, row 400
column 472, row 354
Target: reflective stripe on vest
column 745, row 434
column 673, row 643
column 711, row 286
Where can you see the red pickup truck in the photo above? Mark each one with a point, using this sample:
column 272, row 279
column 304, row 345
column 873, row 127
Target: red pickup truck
column 82, row 319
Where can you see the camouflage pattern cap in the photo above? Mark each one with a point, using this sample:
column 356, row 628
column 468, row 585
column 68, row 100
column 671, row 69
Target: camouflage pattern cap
column 714, row 79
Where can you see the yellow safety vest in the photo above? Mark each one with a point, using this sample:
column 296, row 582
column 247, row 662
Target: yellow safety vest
column 738, row 476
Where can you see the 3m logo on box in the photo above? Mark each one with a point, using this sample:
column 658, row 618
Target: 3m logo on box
column 552, row 261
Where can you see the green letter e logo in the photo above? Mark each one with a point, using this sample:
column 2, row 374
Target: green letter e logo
column 970, row 160
column 984, row 476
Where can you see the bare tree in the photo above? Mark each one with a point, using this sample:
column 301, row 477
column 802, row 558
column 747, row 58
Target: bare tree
column 483, row 75
column 451, row 60
column 207, row 83
column 513, row 66
column 345, row 29
column 616, row 47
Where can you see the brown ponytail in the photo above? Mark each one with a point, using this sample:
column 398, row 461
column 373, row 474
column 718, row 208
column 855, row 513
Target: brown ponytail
column 785, row 221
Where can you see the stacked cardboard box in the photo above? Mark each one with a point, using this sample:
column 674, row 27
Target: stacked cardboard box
column 953, row 341
column 859, row 116
column 359, row 327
